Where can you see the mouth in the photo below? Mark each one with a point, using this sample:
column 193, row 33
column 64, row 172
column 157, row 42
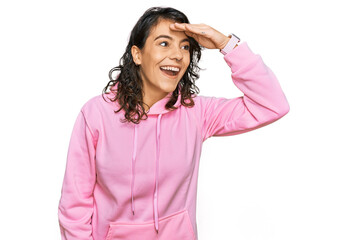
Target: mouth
column 170, row 72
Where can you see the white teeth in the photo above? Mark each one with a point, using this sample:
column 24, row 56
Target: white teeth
column 175, row 69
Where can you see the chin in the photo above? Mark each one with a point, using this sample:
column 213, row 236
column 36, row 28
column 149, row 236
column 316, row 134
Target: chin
column 169, row 90
column 169, row 87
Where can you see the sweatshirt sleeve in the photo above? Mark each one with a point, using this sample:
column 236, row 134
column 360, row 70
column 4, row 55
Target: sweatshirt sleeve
column 263, row 102
column 76, row 203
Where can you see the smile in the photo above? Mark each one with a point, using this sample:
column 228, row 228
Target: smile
column 171, row 72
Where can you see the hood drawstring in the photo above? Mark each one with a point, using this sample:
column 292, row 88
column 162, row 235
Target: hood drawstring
column 133, row 162
column 155, row 195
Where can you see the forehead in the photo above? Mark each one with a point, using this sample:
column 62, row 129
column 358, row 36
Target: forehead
column 163, row 27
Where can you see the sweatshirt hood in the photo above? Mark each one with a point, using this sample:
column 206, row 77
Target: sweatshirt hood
column 159, row 106
column 157, row 109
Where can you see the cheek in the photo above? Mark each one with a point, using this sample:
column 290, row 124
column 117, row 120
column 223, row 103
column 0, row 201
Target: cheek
column 158, row 56
column 188, row 61
column 188, row 65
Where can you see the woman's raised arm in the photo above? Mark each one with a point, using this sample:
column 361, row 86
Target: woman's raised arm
column 263, row 102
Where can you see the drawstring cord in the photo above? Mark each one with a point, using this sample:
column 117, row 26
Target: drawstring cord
column 155, row 198
column 133, row 163
column 155, row 195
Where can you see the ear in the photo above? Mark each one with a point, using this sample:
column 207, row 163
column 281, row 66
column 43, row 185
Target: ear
column 136, row 55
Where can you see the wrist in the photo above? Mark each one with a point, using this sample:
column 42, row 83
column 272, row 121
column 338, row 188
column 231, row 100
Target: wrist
column 227, row 39
column 230, row 44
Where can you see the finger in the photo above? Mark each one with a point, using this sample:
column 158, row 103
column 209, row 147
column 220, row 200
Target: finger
column 185, row 26
column 182, row 28
column 200, row 29
column 190, row 34
column 177, row 27
column 191, row 30
column 191, row 24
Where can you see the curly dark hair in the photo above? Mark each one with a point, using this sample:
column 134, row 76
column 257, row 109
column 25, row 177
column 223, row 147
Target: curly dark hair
column 129, row 82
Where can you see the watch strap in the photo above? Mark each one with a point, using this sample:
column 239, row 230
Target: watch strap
column 231, row 44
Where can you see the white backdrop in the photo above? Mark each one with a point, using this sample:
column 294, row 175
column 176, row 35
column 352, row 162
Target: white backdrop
column 298, row 178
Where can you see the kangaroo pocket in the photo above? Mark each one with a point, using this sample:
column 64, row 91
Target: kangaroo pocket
column 176, row 226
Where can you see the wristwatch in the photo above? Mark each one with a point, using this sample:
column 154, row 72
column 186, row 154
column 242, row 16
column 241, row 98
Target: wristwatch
column 231, row 44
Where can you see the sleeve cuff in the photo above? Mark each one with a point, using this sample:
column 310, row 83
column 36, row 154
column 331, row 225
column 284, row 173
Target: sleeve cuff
column 241, row 55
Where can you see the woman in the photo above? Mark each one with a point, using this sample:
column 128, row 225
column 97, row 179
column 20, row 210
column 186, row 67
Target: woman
column 133, row 157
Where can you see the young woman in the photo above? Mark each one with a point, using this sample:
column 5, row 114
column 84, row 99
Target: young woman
column 133, row 158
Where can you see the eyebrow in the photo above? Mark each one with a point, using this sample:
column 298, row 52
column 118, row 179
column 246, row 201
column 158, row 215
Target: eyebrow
column 169, row 37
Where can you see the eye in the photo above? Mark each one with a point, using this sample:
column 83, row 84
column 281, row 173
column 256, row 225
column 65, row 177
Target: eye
column 164, row 42
column 187, row 47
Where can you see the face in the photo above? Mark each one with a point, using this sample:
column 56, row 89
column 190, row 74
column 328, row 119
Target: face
column 163, row 47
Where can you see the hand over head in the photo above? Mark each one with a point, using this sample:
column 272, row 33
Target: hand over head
column 205, row 35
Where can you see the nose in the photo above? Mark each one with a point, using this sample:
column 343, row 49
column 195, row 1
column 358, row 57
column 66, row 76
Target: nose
column 176, row 53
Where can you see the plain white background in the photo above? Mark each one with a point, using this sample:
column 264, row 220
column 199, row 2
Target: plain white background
column 298, row 178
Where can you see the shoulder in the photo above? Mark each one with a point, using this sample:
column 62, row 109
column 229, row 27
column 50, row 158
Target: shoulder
column 201, row 104
column 95, row 110
column 92, row 107
column 202, row 101
column 91, row 104
column 98, row 101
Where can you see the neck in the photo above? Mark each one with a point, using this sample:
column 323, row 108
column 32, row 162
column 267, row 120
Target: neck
column 150, row 99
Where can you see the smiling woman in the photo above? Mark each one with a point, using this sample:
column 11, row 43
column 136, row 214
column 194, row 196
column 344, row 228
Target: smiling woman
column 105, row 194
column 163, row 61
column 143, row 79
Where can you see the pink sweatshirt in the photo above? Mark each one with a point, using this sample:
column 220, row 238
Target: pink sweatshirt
column 125, row 181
